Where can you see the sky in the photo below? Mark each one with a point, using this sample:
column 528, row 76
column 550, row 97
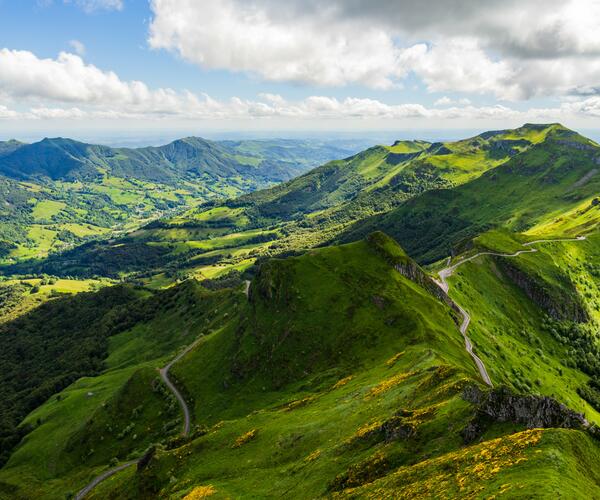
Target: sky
column 143, row 68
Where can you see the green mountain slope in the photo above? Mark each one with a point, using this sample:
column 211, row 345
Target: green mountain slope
column 554, row 178
column 343, row 373
column 300, row 213
column 59, row 193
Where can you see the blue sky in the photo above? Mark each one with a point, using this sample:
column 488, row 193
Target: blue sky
column 139, row 67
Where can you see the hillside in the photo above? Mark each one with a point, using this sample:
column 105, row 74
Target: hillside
column 342, row 374
column 60, row 193
column 8, row 147
column 551, row 189
column 304, row 212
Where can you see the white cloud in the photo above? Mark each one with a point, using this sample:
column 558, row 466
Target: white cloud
column 511, row 49
column 244, row 37
column 66, row 88
column 78, row 47
column 94, row 5
column 69, row 79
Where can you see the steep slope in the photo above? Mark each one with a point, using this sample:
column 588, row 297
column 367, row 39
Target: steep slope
column 535, row 187
column 118, row 404
column 303, row 212
column 344, row 368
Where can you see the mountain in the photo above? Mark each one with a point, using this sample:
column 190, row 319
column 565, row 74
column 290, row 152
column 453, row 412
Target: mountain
column 320, row 206
column 7, row 147
column 340, row 372
column 552, row 182
column 296, row 367
column 59, row 192
column 66, row 159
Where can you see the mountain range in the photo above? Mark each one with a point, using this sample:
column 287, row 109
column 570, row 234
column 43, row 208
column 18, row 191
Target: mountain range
column 417, row 320
column 61, row 192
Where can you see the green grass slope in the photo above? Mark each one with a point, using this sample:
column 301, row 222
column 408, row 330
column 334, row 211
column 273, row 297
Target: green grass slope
column 528, row 192
column 535, row 317
column 301, row 213
column 118, row 405
column 341, row 377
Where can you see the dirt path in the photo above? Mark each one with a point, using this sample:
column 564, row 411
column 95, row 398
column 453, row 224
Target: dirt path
column 444, row 285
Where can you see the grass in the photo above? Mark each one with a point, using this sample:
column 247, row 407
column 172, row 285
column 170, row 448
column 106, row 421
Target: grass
column 46, row 209
column 77, row 433
column 338, row 377
column 523, row 194
column 507, row 325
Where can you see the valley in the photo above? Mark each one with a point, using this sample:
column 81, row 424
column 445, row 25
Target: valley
column 418, row 320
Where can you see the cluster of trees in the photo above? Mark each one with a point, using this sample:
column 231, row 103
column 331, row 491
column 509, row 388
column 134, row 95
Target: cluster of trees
column 583, row 352
column 45, row 350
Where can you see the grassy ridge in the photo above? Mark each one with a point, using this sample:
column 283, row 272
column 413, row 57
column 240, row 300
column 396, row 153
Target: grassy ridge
column 527, row 192
column 302, row 213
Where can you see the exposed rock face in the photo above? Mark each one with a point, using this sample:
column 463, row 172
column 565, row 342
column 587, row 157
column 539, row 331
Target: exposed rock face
column 396, row 429
column 413, row 272
column 557, row 306
column 508, row 147
column 502, row 405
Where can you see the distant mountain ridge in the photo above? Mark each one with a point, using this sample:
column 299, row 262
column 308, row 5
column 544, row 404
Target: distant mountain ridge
column 61, row 192
column 67, row 159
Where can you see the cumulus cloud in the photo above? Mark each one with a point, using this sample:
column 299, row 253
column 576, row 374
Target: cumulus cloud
column 243, row 36
column 67, row 88
column 511, row 49
column 69, row 79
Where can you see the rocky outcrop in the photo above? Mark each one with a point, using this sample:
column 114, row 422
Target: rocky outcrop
column 510, row 147
column 502, row 405
column 413, row 272
column 558, row 305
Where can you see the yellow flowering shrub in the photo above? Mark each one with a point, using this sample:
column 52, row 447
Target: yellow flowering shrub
column 342, row 382
column 244, row 438
column 388, row 383
column 200, row 492
column 394, row 358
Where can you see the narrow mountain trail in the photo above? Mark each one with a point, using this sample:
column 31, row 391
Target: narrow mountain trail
column 445, row 286
column 164, row 374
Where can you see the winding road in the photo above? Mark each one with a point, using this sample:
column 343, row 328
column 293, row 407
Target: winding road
column 444, row 285
column 164, row 374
